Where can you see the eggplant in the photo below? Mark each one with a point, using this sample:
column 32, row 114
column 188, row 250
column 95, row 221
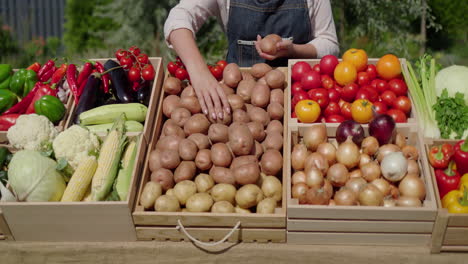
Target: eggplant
column 88, row 98
column 144, row 93
column 120, row 84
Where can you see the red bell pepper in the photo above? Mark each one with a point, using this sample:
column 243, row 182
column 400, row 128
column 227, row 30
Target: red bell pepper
column 84, row 74
column 58, row 74
column 43, row 89
column 104, row 77
column 71, row 79
column 7, row 121
column 461, row 156
column 447, row 180
column 439, row 156
column 35, row 67
column 22, row 106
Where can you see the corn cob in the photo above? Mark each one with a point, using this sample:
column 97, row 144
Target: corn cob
column 108, row 113
column 125, row 173
column 130, row 126
column 80, row 180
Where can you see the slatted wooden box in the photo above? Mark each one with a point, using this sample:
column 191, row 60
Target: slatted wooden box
column 361, row 225
column 450, row 230
column 151, row 225
column 5, row 233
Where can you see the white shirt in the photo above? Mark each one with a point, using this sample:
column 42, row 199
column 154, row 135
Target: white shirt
column 191, row 14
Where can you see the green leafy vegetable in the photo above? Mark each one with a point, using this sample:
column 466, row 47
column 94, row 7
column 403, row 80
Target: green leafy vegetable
column 451, row 115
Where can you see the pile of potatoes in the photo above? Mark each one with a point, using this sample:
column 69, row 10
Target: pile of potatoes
column 233, row 165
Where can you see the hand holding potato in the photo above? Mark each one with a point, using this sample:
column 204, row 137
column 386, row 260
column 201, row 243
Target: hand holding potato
column 272, row 47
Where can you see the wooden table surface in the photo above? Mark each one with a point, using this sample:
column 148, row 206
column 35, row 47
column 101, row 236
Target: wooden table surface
column 183, row 252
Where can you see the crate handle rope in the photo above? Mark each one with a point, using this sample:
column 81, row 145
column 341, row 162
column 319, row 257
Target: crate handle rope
column 194, row 240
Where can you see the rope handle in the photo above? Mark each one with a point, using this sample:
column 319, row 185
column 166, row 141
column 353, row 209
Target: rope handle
column 209, row 244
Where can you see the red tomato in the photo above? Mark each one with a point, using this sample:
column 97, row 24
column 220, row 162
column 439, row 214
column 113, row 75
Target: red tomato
column 299, row 69
column 402, row 103
column 320, row 96
column 332, row 109
column 120, row 53
column 398, row 86
column 311, row 80
column 126, row 62
column 134, row 74
column 181, row 74
column 335, row 119
column 371, row 71
column 327, row 64
column 388, row 97
column 316, row 68
column 380, row 107
column 334, row 95
column 143, row 58
column 381, row 85
column 180, row 64
column 296, row 87
column 397, row 115
column 222, row 64
column 373, row 83
column 363, row 78
column 327, row 82
column 299, row 96
column 148, row 72
column 349, row 92
column 172, row 67
column 346, row 110
column 134, row 50
column 217, row 72
column 368, row 93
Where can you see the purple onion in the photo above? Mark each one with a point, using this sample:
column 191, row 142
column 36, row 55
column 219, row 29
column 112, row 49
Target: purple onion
column 382, row 128
column 350, row 128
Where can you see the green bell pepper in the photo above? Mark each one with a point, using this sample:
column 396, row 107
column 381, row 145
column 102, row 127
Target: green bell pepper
column 5, row 72
column 23, row 81
column 7, row 100
column 5, row 84
column 51, row 107
column 30, row 81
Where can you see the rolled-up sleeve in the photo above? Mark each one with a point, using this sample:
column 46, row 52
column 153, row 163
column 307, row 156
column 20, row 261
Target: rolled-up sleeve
column 323, row 26
column 191, row 15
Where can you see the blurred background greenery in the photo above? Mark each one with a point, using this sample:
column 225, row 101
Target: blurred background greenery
column 96, row 28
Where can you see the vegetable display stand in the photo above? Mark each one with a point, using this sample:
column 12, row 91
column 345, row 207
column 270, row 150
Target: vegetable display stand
column 5, row 233
column 208, row 227
column 362, row 225
column 450, row 230
column 152, row 102
column 76, row 221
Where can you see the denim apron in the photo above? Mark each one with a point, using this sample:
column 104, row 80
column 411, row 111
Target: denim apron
column 247, row 18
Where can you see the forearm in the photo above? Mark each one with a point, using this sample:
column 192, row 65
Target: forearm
column 303, row 51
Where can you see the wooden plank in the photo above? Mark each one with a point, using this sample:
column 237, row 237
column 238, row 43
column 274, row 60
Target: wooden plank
column 438, row 233
column 454, row 248
column 328, row 225
column 458, row 220
column 5, row 232
column 456, row 236
column 373, row 239
column 212, row 234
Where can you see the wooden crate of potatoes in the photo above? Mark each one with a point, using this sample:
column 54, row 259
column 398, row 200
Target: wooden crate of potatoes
column 337, row 224
column 225, row 217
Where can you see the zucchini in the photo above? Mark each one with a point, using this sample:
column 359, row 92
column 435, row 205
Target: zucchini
column 130, row 126
column 108, row 113
column 121, row 87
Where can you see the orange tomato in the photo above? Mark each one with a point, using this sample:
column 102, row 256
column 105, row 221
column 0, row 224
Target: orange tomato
column 345, row 73
column 388, row 67
column 358, row 57
column 307, row 111
column 361, row 111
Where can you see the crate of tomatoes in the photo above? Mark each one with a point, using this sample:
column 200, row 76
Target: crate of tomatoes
column 354, row 87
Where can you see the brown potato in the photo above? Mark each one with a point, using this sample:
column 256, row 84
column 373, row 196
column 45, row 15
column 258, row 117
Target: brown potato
column 199, row 202
column 260, row 69
column 222, row 207
column 257, row 150
column 235, row 101
column 151, row 192
column 240, row 116
column 222, row 175
column 248, row 196
column 202, row 141
column 245, row 88
column 232, row 75
column 164, row 177
column 224, row 192
column 220, row 155
column 262, row 81
column 170, row 127
column 268, row 44
column 274, row 126
column 188, row 91
column 258, row 114
column 260, row 95
column 247, row 76
column 188, row 150
column 204, row 182
column 277, row 96
column 275, row 79
column 276, row 111
column 240, row 139
column 170, row 103
column 170, row 142
column 227, row 119
column 180, row 116
column 218, row 133
column 273, row 141
column 242, row 160
column 197, row 123
column 185, row 171
column 203, row 160
column 247, row 173
column 153, row 160
column 227, row 90
column 172, row 86
column 257, row 130
column 169, row 159
column 191, row 103
column 272, row 162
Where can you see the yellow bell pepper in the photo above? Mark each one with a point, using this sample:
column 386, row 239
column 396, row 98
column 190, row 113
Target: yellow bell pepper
column 456, row 202
column 463, row 182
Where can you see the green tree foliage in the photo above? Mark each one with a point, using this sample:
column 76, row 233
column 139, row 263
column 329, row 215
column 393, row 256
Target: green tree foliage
column 7, row 44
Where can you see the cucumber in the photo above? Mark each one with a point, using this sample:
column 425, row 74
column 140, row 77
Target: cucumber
column 130, row 126
column 108, row 113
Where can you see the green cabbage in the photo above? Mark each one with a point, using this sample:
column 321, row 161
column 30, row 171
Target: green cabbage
column 34, row 178
column 453, row 78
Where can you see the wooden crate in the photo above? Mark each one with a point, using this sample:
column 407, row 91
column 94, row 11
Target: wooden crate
column 76, row 221
column 361, row 225
column 151, row 225
column 412, row 119
column 451, row 230
column 5, row 233
column 153, row 103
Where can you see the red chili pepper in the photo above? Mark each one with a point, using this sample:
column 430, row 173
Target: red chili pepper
column 461, row 156
column 45, row 68
column 46, row 76
column 81, row 88
column 85, row 72
column 22, row 106
column 447, row 180
column 35, row 67
column 7, row 121
column 58, row 74
column 44, row 89
column 105, row 77
column 439, row 156
column 71, row 79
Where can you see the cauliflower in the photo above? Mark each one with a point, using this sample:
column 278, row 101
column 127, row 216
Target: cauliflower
column 75, row 144
column 32, row 132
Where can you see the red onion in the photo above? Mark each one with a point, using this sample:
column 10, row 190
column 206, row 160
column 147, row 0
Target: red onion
column 350, row 128
column 382, row 128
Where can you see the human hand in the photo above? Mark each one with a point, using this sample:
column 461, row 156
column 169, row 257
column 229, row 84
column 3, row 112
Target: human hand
column 283, row 49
